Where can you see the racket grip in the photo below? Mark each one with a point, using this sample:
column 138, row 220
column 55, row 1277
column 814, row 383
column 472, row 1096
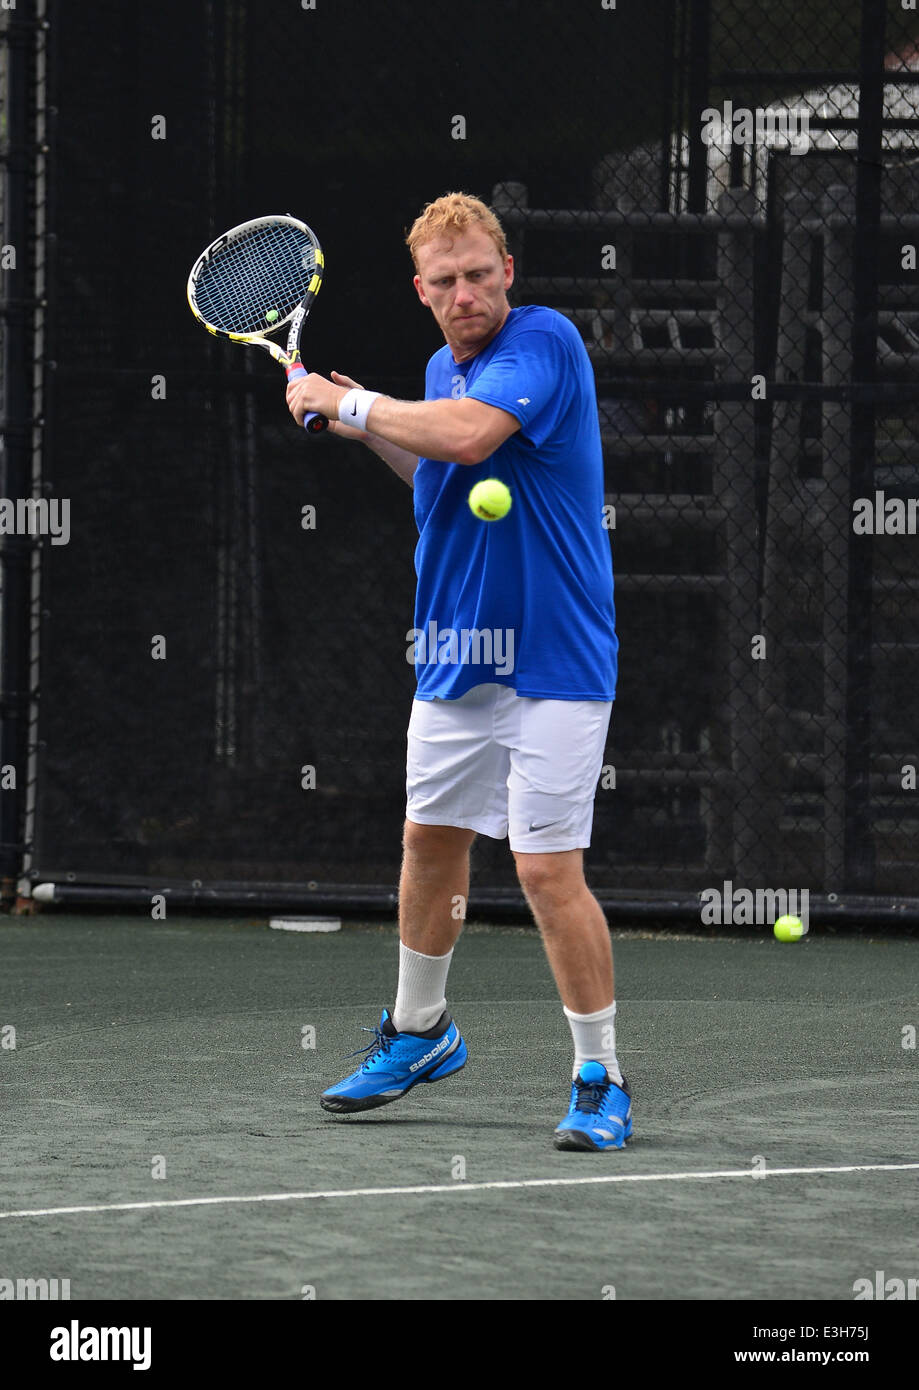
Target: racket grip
column 312, row 423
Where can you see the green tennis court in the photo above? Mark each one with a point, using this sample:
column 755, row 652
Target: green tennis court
column 160, row 1083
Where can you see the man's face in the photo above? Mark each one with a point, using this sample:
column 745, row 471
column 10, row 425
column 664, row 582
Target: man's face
column 464, row 282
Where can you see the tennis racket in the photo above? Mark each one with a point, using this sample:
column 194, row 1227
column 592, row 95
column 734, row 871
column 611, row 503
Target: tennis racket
column 256, row 280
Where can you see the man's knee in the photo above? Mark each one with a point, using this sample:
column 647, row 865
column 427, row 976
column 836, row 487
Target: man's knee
column 551, row 877
column 436, row 841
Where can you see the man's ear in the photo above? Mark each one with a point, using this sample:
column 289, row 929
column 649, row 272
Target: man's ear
column 421, row 295
column 508, row 272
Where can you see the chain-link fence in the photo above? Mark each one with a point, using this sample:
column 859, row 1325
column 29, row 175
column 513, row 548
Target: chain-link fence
column 720, row 196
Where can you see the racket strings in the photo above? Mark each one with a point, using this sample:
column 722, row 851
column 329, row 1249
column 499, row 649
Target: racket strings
column 267, row 270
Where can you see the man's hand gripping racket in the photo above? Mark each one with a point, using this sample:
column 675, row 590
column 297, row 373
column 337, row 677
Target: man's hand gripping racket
column 255, row 280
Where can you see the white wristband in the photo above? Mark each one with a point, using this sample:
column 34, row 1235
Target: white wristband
column 354, row 407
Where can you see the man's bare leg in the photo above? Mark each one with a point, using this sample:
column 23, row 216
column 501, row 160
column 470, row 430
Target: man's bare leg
column 576, row 940
column 433, row 893
column 573, row 927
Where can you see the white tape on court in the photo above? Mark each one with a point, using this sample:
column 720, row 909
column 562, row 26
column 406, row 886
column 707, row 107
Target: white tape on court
column 441, row 1189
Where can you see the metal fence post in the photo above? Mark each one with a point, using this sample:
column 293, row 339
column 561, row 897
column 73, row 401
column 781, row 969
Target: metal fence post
column 734, row 487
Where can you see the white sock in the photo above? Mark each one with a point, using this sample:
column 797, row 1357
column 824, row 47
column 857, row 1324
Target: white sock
column 420, row 998
column 595, row 1040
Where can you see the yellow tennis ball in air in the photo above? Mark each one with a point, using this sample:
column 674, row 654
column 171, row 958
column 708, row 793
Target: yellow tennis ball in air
column 271, row 315
column 789, row 928
column 490, row 499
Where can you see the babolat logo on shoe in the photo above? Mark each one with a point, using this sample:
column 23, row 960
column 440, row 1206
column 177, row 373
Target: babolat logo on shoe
column 435, row 1052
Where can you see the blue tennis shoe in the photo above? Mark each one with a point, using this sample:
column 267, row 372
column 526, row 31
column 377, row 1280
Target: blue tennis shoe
column 396, row 1062
column 600, row 1113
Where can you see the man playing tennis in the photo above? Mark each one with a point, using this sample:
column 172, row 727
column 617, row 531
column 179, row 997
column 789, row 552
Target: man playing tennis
column 515, row 653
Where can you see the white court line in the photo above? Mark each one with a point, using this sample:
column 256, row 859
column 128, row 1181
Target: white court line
column 439, row 1189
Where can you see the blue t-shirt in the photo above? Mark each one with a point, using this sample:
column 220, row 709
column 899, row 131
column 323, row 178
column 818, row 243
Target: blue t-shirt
column 527, row 601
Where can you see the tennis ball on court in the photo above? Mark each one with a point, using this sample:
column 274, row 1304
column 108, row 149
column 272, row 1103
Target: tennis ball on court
column 789, row 929
column 271, row 315
column 490, row 499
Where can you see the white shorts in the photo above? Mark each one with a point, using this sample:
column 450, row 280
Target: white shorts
column 498, row 763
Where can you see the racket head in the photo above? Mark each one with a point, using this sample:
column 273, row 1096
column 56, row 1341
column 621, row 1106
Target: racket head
column 267, row 266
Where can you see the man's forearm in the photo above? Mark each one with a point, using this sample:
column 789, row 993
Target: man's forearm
column 453, row 431
column 432, row 429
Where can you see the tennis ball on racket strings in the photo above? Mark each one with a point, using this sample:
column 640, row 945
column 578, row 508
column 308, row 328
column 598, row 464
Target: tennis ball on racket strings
column 271, row 315
column 789, row 929
column 490, row 499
